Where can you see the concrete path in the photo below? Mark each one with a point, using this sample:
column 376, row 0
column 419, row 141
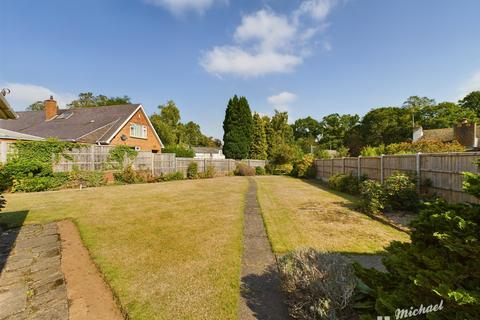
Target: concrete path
column 32, row 285
column 260, row 295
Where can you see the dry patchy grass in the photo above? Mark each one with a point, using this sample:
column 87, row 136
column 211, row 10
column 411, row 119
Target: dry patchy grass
column 169, row 250
column 298, row 214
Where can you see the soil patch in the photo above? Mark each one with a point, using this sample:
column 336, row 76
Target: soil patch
column 88, row 295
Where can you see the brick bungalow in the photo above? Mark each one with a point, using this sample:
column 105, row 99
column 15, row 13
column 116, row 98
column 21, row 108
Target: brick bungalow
column 125, row 124
column 465, row 133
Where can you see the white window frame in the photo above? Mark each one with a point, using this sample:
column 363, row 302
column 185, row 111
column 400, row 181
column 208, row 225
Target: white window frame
column 138, row 131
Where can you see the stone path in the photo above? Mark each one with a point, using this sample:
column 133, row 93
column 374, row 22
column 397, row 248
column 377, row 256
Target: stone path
column 260, row 296
column 32, row 285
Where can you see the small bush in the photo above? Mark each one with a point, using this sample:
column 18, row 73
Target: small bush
column 260, row 171
column 401, row 193
column 85, row 179
column 244, row 170
column 345, row 183
column 210, row 172
column 128, row 176
column 305, row 167
column 282, row 169
column 37, row 184
column 317, row 285
column 372, row 196
column 269, row 168
column 172, row 176
column 180, row 152
column 192, row 170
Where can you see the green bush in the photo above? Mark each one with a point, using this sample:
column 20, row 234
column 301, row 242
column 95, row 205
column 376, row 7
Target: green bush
column 180, row 151
column 121, row 154
column 192, row 170
column 401, row 193
column 282, row 169
column 87, row 179
column 128, row 176
column 305, row 167
column 210, row 172
column 317, row 285
column 172, row 176
column 260, row 171
column 440, row 263
column 37, row 184
column 345, row 183
column 372, row 196
column 244, row 170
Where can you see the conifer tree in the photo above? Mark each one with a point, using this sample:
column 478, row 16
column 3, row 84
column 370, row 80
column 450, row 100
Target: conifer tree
column 258, row 149
column 237, row 127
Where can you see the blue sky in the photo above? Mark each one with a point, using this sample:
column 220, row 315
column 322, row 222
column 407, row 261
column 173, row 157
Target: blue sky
column 310, row 57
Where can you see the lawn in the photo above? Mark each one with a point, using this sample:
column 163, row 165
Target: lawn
column 302, row 214
column 168, row 250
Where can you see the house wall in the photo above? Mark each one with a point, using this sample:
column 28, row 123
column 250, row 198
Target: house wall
column 149, row 144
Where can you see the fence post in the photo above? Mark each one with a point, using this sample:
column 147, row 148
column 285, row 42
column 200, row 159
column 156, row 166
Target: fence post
column 152, row 155
column 359, row 167
column 417, row 170
column 331, row 167
column 92, row 157
column 204, row 165
column 382, row 176
column 175, row 163
column 343, row 165
column 3, row 152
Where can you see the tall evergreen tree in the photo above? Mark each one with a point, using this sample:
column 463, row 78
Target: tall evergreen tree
column 258, row 149
column 237, row 127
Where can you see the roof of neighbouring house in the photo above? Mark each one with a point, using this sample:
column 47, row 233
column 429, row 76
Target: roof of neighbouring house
column 206, row 150
column 88, row 125
column 444, row 135
column 12, row 135
column 6, row 111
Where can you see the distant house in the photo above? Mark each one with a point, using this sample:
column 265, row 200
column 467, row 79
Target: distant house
column 465, row 133
column 125, row 124
column 208, row 153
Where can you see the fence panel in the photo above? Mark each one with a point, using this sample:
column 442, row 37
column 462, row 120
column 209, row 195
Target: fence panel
column 438, row 173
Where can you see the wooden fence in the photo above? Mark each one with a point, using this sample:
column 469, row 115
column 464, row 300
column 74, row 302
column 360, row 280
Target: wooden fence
column 97, row 158
column 438, row 173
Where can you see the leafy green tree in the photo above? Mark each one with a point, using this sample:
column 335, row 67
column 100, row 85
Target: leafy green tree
column 472, row 102
column 170, row 114
column 164, row 131
column 443, row 115
column 237, row 127
column 335, row 128
column 89, row 100
column 282, row 131
column 385, row 126
column 416, row 104
column 308, row 128
column 258, row 149
column 36, row 106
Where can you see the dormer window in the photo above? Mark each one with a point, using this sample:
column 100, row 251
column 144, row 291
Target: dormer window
column 138, row 131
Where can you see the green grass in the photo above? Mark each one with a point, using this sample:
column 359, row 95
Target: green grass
column 168, row 250
column 299, row 214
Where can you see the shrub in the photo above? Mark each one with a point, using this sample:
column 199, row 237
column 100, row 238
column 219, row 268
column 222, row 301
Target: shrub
column 372, row 196
column 305, row 167
column 244, row 170
column 260, row 171
column 86, row 179
column 172, row 176
column 192, row 170
column 37, row 184
column 401, row 193
column 440, row 263
column 317, row 285
column 210, row 172
column 283, row 169
column 180, row 152
column 128, row 176
column 345, row 183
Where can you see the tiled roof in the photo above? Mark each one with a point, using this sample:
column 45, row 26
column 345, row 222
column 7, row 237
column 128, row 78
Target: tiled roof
column 444, row 135
column 206, row 150
column 90, row 125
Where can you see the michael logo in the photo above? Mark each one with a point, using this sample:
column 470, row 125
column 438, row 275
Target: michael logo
column 408, row 313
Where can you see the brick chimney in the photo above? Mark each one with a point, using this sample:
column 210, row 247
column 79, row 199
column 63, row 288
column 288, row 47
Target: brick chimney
column 51, row 108
column 466, row 133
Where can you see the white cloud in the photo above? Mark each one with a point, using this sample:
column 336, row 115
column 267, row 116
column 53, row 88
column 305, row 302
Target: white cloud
column 266, row 42
column 472, row 84
column 282, row 100
column 179, row 7
column 22, row 95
